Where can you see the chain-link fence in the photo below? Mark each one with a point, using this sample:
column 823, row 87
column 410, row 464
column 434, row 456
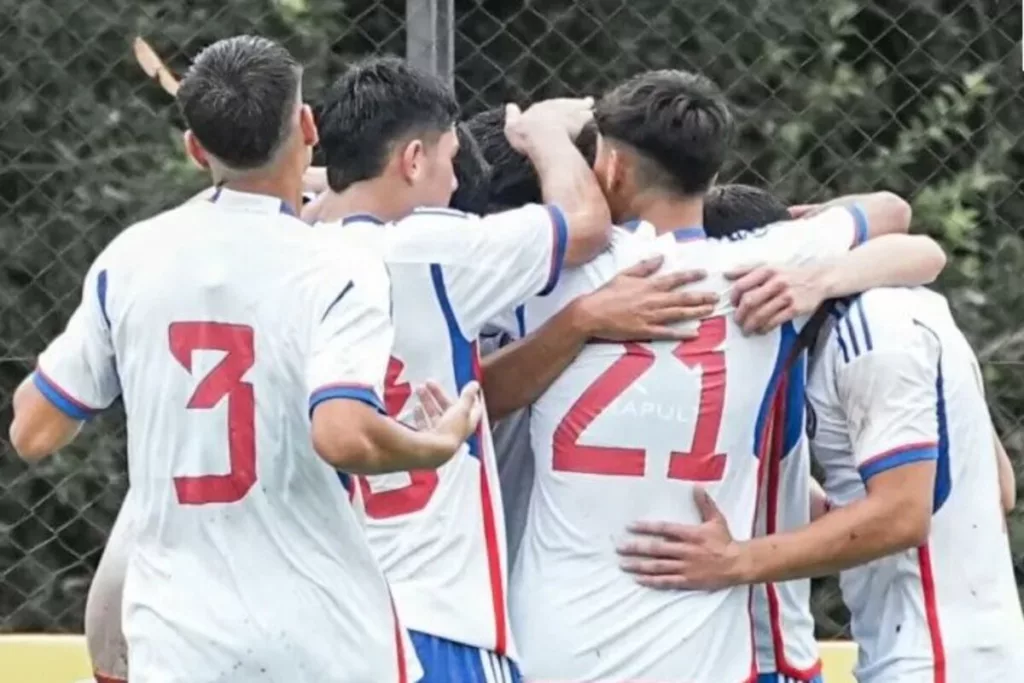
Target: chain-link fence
column 924, row 97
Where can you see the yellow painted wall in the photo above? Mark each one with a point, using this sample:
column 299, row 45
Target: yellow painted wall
column 62, row 659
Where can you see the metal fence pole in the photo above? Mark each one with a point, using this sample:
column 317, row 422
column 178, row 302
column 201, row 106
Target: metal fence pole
column 430, row 36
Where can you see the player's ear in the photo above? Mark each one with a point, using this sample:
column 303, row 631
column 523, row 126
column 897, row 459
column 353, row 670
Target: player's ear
column 412, row 160
column 195, row 151
column 307, row 124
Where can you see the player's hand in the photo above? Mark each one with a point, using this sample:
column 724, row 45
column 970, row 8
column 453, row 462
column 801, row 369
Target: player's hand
column 560, row 116
column 765, row 297
column 671, row 556
column 637, row 305
column 455, row 421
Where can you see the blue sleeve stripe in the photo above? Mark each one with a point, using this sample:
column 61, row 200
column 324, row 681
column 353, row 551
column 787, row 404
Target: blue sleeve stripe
column 860, row 224
column 61, row 399
column 352, row 392
column 897, row 457
column 521, row 320
column 101, row 294
column 560, row 239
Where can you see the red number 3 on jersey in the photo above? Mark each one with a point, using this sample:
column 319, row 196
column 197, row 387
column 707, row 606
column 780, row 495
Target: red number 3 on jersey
column 225, row 380
column 414, row 496
column 700, row 463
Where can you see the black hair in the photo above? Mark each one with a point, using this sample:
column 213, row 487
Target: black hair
column 238, row 99
column 731, row 209
column 513, row 180
column 473, row 174
column 678, row 122
column 375, row 104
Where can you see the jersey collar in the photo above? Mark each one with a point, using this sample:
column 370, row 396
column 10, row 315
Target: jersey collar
column 250, row 201
column 689, row 233
column 361, row 218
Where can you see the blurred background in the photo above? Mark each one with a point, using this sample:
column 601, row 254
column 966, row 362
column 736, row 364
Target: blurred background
column 922, row 97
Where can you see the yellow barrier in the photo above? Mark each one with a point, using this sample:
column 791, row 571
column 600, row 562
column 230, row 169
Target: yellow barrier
column 63, row 659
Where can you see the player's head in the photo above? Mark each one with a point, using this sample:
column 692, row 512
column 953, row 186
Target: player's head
column 472, row 174
column 242, row 103
column 729, row 209
column 513, row 180
column 384, row 119
column 663, row 131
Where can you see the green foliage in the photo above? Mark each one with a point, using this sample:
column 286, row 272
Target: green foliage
column 923, row 98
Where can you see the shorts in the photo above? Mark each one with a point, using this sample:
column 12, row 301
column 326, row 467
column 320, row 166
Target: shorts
column 782, row 678
column 445, row 661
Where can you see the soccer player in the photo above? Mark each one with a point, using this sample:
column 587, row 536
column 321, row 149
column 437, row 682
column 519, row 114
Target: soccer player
column 899, row 423
column 629, row 428
column 250, row 355
column 387, row 135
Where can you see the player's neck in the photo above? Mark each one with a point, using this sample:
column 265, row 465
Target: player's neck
column 667, row 214
column 279, row 185
column 367, row 197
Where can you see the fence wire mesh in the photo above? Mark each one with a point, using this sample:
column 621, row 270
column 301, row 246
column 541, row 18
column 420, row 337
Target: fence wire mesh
column 924, row 98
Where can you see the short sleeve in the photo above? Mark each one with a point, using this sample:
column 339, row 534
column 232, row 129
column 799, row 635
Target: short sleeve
column 495, row 263
column 77, row 372
column 809, row 240
column 352, row 339
column 888, row 387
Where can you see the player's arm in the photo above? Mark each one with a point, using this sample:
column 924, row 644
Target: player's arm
column 1007, row 479
column 766, row 297
column 877, row 213
column 636, row 304
column 75, row 377
column 545, row 134
column 889, row 396
column 351, row 344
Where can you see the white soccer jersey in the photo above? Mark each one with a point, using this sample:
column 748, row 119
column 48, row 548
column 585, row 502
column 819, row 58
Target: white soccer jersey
column 894, row 382
column 223, row 324
column 783, row 624
column 623, row 435
column 440, row 535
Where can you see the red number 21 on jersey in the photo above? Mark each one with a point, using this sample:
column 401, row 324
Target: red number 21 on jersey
column 700, row 462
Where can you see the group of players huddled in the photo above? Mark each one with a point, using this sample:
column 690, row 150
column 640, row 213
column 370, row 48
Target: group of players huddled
column 316, row 495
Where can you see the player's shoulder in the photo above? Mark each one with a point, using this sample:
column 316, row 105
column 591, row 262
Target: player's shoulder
column 150, row 237
column 884, row 320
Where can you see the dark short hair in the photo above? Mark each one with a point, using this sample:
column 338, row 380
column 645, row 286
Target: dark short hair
column 473, row 174
column 731, row 209
column 238, row 99
column 374, row 104
column 513, row 180
column 678, row 122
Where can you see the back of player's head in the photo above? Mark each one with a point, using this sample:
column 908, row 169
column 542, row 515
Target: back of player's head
column 239, row 100
column 472, row 172
column 729, row 209
column 674, row 126
column 513, row 180
column 380, row 109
